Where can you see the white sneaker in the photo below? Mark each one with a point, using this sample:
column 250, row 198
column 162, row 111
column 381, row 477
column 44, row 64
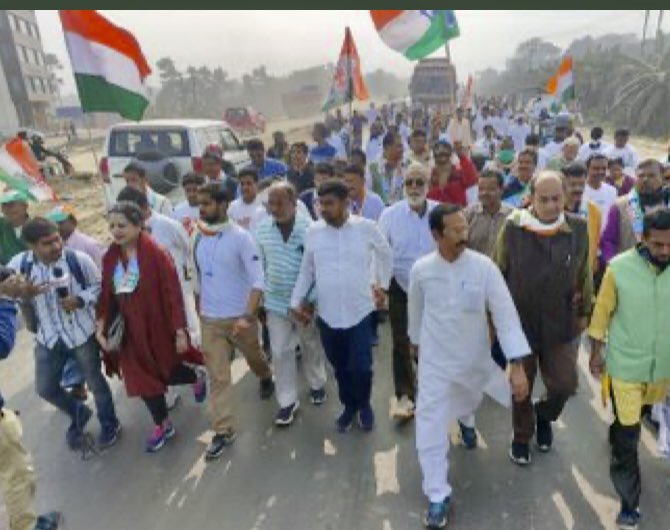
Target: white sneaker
column 404, row 409
column 172, row 398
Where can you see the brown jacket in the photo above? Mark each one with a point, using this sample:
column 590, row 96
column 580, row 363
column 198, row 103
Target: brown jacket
column 549, row 277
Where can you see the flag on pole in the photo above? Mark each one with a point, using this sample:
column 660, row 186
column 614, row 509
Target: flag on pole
column 561, row 86
column 415, row 33
column 108, row 64
column 20, row 171
column 466, row 101
column 348, row 83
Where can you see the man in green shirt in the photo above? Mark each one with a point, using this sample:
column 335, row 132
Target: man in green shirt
column 14, row 216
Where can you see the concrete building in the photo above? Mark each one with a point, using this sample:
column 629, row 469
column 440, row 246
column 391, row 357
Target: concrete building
column 26, row 84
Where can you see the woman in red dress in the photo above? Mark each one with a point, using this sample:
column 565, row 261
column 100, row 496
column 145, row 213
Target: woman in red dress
column 140, row 282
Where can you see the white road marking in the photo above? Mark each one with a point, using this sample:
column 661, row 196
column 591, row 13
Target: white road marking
column 564, row 510
column 386, row 475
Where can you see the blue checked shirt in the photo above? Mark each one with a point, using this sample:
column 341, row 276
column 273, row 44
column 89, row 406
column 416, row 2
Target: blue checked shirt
column 281, row 261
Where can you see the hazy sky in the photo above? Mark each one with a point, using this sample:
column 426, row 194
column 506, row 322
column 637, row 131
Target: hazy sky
column 285, row 40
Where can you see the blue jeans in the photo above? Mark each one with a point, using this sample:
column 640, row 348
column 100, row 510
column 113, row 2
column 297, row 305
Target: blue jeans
column 72, row 374
column 350, row 352
column 49, row 364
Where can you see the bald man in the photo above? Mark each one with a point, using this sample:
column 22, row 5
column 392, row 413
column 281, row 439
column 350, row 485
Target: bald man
column 281, row 240
column 543, row 252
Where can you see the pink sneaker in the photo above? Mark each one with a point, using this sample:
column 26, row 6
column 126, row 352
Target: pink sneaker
column 159, row 435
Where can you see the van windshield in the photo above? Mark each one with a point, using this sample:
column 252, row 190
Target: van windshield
column 130, row 143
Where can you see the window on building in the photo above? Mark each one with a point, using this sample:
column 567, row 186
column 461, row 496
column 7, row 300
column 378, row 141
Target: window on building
column 26, row 26
column 36, row 30
column 37, row 56
column 33, row 85
column 14, row 22
column 43, row 86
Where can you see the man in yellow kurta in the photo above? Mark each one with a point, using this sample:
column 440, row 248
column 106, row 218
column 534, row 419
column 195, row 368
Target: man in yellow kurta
column 632, row 314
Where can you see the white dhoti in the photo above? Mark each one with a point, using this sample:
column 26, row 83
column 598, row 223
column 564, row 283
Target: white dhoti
column 285, row 336
column 441, row 402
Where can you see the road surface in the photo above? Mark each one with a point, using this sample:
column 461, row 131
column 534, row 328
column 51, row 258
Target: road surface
column 311, row 477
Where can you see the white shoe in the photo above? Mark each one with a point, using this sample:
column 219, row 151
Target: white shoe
column 172, row 398
column 404, row 409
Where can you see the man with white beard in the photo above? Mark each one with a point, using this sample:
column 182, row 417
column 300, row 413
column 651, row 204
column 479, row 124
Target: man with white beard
column 451, row 290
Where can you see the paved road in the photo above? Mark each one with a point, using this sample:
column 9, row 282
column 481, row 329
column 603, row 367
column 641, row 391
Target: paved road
column 310, row 477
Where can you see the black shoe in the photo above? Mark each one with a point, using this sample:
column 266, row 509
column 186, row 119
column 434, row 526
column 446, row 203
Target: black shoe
column 519, row 453
column 345, row 420
column 366, row 418
column 468, row 435
column 286, row 415
column 75, row 432
column 267, row 388
column 544, row 435
column 318, row 397
column 218, row 444
column 49, row 521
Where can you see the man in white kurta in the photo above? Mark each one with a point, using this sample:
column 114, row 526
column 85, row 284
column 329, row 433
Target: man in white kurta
column 451, row 291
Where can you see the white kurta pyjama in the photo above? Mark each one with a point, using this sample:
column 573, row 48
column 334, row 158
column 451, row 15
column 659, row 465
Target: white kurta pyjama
column 448, row 304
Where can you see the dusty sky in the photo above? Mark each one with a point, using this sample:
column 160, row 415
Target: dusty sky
column 285, row 40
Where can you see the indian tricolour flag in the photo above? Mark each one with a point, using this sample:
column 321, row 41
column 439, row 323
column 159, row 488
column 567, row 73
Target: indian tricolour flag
column 415, row 33
column 108, row 64
column 561, row 86
column 20, row 171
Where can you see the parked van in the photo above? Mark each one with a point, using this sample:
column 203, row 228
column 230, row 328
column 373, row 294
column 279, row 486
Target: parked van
column 167, row 149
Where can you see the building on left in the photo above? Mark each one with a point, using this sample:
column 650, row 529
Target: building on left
column 27, row 87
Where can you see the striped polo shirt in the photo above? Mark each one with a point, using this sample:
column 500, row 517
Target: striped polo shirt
column 281, row 261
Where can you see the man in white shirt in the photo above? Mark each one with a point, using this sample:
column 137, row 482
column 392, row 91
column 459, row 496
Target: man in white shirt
column 335, row 139
column 451, row 290
column 136, row 177
column 488, row 144
column 480, row 121
column 622, row 149
column 562, row 129
column 405, row 227
column 230, row 283
column 375, row 148
column 602, row 194
column 596, row 145
column 371, row 114
column 500, row 123
column 459, row 129
column 187, row 212
column 339, row 250
column 247, row 210
column 519, row 130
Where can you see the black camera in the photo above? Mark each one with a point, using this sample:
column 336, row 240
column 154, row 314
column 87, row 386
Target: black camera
column 5, row 272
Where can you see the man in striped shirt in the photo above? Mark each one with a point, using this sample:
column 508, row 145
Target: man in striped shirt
column 281, row 242
column 62, row 289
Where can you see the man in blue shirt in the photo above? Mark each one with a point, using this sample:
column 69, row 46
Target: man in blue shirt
column 322, row 150
column 266, row 167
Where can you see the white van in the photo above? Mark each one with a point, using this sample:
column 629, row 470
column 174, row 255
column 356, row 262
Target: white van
column 167, row 149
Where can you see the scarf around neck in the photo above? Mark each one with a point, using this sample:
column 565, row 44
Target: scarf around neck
column 531, row 223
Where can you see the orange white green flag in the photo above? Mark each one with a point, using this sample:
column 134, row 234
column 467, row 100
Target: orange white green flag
column 109, row 67
column 561, row 86
column 348, row 83
column 20, row 171
column 416, row 33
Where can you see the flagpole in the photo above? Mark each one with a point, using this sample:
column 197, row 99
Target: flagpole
column 90, row 142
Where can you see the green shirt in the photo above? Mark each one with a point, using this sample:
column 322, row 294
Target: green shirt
column 10, row 243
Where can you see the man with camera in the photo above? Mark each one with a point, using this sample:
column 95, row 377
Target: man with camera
column 59, row 288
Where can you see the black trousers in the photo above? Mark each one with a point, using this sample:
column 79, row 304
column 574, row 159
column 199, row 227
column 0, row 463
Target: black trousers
column 182, row 375
column 404, row 378
column 624, row 461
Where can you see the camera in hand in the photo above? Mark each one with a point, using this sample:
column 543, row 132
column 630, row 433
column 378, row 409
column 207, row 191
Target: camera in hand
column 5, row 272
column 61, row 292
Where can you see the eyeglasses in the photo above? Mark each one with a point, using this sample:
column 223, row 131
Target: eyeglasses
column 419, row 183
column 648, row 176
